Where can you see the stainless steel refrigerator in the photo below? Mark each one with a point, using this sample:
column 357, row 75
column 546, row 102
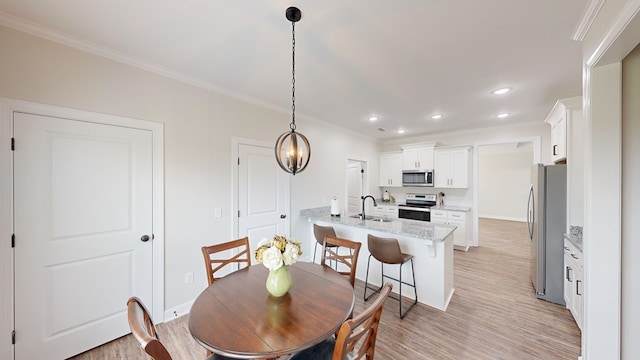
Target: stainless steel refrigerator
column 546, row 222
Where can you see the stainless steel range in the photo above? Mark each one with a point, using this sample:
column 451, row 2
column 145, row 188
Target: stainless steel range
column 417, row 207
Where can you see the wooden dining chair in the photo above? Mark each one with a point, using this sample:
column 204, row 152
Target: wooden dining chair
column 144, row 331
column 330, row 252
column 214, row 262
column 356, row 338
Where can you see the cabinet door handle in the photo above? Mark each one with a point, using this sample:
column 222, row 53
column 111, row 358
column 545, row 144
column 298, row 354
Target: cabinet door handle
column 568, row 273
column 554, row 149
column 578, row 292
column 574, row 256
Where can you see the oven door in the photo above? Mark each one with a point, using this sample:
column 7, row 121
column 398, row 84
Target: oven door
column 414, row 213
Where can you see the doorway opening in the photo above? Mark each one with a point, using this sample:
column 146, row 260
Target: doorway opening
column 502, row 177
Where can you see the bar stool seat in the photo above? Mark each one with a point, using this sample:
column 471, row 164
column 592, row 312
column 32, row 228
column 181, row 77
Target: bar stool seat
column 319, row 233
column 387, row 251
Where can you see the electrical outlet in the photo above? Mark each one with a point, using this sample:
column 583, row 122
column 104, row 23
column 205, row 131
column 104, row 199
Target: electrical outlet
column 188, row 277
column 217, row 213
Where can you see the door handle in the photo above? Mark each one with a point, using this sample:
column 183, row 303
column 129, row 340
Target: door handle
column 144, row 238
column 283, row 216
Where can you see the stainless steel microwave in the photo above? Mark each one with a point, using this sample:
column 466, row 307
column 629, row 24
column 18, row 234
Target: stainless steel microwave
column 417, row 178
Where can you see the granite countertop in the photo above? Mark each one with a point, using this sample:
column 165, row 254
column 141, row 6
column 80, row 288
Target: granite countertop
column 411, row 228
column 575, row 236
column 451, row 208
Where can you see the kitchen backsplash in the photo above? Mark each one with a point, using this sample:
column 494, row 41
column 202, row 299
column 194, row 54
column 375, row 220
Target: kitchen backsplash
column 453, row 197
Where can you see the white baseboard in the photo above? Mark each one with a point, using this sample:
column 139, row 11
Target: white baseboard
column 172, row 314
column 508, row 218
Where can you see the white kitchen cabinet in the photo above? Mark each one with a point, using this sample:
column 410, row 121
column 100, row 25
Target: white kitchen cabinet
column 390, row 169
column 558, row 119
column 386, row 211
column 460, row 220
column 452, row 167
column 574, row 281
column 417, row 157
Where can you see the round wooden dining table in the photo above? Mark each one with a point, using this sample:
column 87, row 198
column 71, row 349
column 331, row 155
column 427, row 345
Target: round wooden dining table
column 236, row 317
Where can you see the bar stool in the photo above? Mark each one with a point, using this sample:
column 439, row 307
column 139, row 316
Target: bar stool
column 387, row 251
column 320, row 232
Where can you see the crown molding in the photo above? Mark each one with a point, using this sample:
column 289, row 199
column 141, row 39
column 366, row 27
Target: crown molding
column 590, row 13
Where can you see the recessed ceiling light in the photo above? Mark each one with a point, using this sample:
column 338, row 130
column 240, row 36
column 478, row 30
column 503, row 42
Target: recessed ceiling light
column 503, row 115
column 400, row 131
column 436, row 116
column 501, row 91
column 373, row 118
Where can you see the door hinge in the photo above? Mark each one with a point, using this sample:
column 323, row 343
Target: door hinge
column 13, row 240
column 13, row 337
column 13, row 144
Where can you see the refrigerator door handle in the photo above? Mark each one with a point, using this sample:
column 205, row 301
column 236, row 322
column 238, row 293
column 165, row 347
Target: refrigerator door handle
column 530, row 212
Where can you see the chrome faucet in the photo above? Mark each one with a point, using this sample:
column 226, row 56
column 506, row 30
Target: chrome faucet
column 363, row 199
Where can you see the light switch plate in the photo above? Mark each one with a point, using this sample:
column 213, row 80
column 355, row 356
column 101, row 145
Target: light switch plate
column 188, row 277
column 217, row 213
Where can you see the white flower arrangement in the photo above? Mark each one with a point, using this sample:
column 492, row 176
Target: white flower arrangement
column 277, row 252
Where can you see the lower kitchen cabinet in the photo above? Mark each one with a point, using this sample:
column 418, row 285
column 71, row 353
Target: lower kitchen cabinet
column 574, row 281
column 460, row 220
column 386, row 211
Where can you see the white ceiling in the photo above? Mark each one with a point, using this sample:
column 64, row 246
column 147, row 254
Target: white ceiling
column 401, row 60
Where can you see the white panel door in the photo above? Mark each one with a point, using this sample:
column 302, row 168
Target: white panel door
column 83, row 197
column 263, row 195
column 354, row 187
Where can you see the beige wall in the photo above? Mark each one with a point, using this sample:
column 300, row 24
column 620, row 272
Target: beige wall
column 198, row 127
column 504, row 180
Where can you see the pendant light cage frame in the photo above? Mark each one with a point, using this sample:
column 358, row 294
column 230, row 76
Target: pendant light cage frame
column 292, row 149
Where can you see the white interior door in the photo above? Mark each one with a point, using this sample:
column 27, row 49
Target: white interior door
column 83, row 201
column 355, row 178
column 263, row 194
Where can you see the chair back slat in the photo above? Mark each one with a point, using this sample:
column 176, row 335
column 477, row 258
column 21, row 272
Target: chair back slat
column 214, row 262
column 330, row 251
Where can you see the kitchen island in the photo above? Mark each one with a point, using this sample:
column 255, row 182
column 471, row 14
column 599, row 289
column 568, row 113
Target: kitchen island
column 430, row 244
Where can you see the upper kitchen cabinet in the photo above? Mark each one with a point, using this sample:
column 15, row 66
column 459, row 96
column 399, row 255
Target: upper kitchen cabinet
column 390, row 169
column 418, row 156
column 452, row 167
column 558, row 118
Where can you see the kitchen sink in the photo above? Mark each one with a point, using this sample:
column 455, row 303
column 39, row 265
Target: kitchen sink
column 372, row 218
column 382, row 219
column 358, row 216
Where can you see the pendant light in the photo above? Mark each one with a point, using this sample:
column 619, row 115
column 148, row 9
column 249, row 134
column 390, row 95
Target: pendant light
column 292, row 148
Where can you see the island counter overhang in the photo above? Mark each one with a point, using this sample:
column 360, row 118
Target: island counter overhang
column 430, row 244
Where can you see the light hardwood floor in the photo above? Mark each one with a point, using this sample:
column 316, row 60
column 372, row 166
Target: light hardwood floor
column 493, row 314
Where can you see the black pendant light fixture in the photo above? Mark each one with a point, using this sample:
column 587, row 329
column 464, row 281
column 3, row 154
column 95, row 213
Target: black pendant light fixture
column 292, row 148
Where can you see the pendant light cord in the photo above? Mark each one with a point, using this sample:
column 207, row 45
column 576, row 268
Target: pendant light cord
column 293, row 76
